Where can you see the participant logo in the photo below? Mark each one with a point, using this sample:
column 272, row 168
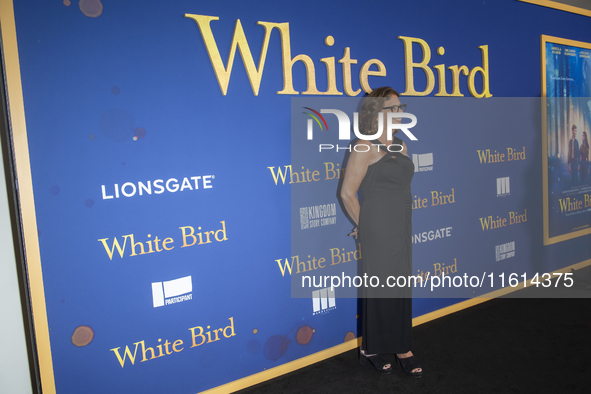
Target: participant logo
column 318, row 215
column 172, row 291
column 505, row 251
column 423, row 162
column 323, row 301
column 503, row 188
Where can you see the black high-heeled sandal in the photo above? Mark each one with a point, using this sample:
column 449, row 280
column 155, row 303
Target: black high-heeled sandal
column 408, row 364
column 377, row 361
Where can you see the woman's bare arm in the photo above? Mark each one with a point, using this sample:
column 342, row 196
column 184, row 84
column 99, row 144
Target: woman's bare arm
column 354, row 174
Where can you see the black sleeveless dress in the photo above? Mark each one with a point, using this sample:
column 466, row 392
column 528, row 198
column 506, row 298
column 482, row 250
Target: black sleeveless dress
column 385, row 232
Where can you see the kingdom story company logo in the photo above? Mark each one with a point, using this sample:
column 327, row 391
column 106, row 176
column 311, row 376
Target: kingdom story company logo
column 318, row 215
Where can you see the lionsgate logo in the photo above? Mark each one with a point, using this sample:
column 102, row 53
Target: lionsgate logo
column 503, row 188
column 318, row 215
column 431, row 235
column 423, row 162
column 172, row 291
column 158, row 186
column 345, row 129
column 505, row 251
column 323, row 301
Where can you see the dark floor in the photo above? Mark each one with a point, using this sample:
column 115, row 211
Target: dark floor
column 501, row 346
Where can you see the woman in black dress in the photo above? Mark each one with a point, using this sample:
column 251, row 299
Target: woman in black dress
column 383, row 171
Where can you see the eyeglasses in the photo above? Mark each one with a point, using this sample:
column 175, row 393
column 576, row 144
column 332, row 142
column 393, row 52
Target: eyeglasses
column 397, row 108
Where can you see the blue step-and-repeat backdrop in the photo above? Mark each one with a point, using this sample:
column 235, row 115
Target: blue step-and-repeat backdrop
column 177, row 197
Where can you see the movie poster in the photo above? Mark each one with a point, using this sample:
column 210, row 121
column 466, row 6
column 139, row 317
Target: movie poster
column 566, row 84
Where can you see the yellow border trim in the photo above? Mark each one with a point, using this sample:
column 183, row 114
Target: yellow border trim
column 284, row 368
column 16, row 113
column 23, row 169
column 575, row 234
column 559, row 6
column 291, row 366
column 489, row 296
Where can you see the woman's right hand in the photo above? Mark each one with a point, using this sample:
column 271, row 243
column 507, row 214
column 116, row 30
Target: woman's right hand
column 354, row 233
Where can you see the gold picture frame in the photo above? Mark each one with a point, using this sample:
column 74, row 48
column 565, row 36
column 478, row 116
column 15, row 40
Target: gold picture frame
column 560, row 6
column 548, row 240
